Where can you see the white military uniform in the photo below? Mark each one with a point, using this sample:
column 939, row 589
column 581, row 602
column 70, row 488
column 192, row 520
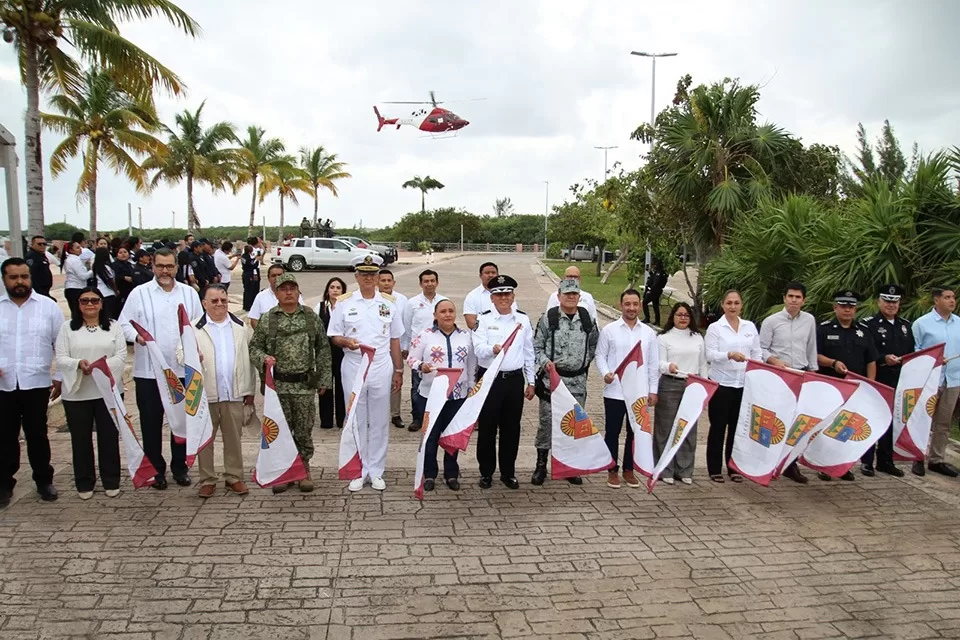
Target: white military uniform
column 372, row 322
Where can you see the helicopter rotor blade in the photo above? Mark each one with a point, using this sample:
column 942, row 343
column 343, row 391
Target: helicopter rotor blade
column 433, row 98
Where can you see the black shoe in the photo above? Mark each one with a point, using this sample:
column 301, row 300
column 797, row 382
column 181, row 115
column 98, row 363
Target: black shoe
column 183, row 481
column 453, row 484
column 823, row 476
column 160, row 483
column 540, row 471
column 577, row 480
column 890, row 469
column 510, row 482
column 918, row 469
column 944, row 468
column 793, row 472
column 326, row 426
column 48, row 493
column 397, row 422
column 485, row 482
column 5, row 496
column 867, row 470
column 848, row 476
column 414, row 427
column 428, row 484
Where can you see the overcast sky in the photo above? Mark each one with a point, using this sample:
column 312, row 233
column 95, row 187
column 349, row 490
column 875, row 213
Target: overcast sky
column 557, row 77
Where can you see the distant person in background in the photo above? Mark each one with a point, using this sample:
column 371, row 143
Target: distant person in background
column 102, row 243
column 656, row 281
column 332, row 406
column 36, row 257
column 86, row 255
column 77, row 274
column 142, row 268
column 106, row 282
column 185, row 261
column 133, row 245
column 250, row 267
column 225, row 262
column 123, row 275
column 385, row 284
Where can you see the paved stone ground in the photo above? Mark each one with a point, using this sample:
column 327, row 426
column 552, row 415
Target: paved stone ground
column 874, row 558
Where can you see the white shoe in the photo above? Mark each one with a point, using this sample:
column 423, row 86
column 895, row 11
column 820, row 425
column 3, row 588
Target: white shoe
column 112, row 493
column 356, row 485
column 86, row 495
column 686, row 480
column 668, row 480
column 378, row 484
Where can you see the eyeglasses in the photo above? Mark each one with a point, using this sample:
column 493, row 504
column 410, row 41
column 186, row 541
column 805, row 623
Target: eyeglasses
column 40, row 244
column 165, row 267
column 90, row 302
column 217, row 301
column 682, row 315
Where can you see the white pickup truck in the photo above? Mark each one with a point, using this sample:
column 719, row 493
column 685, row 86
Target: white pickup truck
column 304, row 253
column 579, row 252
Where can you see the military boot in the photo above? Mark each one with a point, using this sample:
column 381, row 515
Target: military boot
column 306, row 485
column 540, row 473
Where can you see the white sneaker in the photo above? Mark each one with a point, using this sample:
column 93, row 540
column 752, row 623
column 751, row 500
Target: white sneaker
column 112, row 493
column 86, row 495
column 378, row 484
column 668, row 480
column 686, row 480
column 356, row 485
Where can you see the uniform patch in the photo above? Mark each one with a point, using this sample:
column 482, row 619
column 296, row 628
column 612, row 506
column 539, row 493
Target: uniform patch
column 384, row 310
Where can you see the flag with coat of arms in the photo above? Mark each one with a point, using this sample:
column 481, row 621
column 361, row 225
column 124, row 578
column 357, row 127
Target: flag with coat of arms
column 576, row 445
column 440, row 389
column 195, row 405
column 351, row 461
column 278, row 461
column 696, row 395
column 915, row 402
column 171, row 389
column 632, row 373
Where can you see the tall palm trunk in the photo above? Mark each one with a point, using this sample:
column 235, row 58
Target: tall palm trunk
column 280, row 239
column 253, row 207
column 92, row 189
column 34, row 159
column 191, row 213
column 316, row 204
column 423, row 201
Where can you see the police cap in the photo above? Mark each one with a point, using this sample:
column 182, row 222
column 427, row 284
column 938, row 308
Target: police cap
column 503, row 284
column 890, row 292
column 846, row 298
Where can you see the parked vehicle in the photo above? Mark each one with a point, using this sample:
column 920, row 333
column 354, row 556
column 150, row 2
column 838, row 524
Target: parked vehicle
column 389, row 254
column 579, row 252
column 305, row 253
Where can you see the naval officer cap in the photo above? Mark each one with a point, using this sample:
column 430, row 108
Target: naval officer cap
column 890, row 292
column 369, row 263
column 503, row 284
column 846, row 298
column 569, row 286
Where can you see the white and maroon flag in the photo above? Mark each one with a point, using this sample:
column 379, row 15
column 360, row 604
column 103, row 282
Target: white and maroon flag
column 696, row 395
column 278, row 461
column 171, row 389
column 199, row 422
column 351, row 465
column 769, row 404
column 859, row 423
column 456, row 437
column 577, row 447
column 141, row 470
column 632, row 373
column 917, row 389
column 440, row 390
column 820, row 398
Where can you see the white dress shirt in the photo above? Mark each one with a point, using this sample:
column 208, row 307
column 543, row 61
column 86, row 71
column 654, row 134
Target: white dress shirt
column 87, row 256
column 479, row 300
column 222, row 262
column 264, row 301
column 401, row 301
column 586, row 301
column 75, row 272
column 156, row 311
column 435, row 348
column 494, row 328
column 722, row 339
column 222, row 334
column 74, row 346
column 28, row 334
column 615, row 342
column 684, row 349
column 373, row 322
column 418, row 315
column 103, row 287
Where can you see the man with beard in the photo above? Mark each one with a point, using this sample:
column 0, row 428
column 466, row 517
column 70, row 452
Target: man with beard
column 31, row 323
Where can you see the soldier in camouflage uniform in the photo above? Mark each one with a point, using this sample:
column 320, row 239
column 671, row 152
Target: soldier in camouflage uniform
column 293, row 339
column 566, row 339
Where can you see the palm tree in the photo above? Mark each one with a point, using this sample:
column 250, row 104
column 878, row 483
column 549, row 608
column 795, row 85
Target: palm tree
column 323, row 170
column 37, row 28
column 107, row 123
column 256, row 158
column 195, row 154
column 286, row 179
column 424, row 184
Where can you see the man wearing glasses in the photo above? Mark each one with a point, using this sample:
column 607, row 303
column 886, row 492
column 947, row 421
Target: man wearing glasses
column 36, row 258
column 154, row 307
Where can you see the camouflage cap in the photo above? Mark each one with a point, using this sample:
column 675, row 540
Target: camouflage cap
column 284, row 278
column 569, row 286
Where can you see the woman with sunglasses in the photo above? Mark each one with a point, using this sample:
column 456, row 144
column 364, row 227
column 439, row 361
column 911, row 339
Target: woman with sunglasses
column 681, row 353
column 82, row 341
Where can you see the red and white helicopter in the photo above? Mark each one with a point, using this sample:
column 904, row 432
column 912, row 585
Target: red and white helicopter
column 433, row 121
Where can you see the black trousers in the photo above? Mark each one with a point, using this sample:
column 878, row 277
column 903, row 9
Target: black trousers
column 250, row 290
column 73, row 297
column 81, row 416
column 332, row 405
column 26, row 409
column 151, row 427
column 111, row 304
column 615, row 412
column 451, row 469
column 648, row 299
column 501, row 412
column 883, row 450
column 723, row 411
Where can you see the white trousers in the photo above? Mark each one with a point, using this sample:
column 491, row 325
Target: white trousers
column 373, row 412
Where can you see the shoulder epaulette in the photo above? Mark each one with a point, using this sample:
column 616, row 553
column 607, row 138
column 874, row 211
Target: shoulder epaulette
column 867, row 319
column 389, row 297
column 523, row 312
column 343, row 296
column 826, row 322
column 483, row 313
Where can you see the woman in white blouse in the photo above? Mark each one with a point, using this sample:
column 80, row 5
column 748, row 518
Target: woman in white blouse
column 681, row 353
column 81, row 342
column 730, row 342
column 76, row 276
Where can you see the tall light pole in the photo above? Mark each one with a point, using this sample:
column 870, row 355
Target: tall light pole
column 9, row 162
column 605, row 149
column 653, row 114
column 546, row 214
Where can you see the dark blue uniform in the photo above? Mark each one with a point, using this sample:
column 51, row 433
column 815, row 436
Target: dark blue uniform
column 853, row 346
column 40, row 277
column 889, row 338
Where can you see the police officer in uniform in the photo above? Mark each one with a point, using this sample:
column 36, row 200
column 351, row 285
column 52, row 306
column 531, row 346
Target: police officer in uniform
column 371, row 318
column 39, row 264
column 504, row 406
column 843, row 344
column 292, row 338
column 893, row 338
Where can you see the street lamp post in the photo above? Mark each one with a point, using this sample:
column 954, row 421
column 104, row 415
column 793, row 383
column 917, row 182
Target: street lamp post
column 8, row 162
column 653, row 114
column 605, row 149
column 546, row 214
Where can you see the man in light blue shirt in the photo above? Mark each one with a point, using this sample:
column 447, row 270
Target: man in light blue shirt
column 941, row 326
